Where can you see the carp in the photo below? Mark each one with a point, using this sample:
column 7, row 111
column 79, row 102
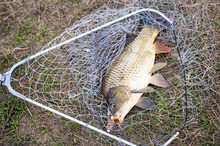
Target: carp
column 131, row 73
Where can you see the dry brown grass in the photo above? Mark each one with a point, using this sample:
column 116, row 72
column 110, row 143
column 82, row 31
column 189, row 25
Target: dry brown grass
column 25, row 26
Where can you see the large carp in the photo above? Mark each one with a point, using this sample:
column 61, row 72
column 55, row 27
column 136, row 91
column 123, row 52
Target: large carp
column 130, row 74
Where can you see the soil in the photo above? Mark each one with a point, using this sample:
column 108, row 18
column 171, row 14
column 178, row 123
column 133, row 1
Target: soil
column 46, row 19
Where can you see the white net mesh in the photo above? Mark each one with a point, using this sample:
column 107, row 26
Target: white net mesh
column 69, row 78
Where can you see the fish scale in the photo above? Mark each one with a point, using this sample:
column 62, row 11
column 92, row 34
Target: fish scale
column 133, row 66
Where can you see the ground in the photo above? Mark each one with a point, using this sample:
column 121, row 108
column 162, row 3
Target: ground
column 25, row 26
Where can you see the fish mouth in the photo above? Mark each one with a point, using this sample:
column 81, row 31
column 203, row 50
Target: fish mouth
column 117, row 120
column 112, row 121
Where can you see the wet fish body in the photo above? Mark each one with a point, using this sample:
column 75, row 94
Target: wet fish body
column 132, row 71
column 134, row 64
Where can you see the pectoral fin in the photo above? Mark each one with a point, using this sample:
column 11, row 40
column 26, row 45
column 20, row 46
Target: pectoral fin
column 158, row 66
column 146, row 103
column 144, row 90
column 159, row 80
column 160, row 48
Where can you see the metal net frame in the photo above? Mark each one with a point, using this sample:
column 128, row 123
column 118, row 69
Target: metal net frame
column 65, row 76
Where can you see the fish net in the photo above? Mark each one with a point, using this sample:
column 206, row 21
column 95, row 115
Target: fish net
column 69, row 78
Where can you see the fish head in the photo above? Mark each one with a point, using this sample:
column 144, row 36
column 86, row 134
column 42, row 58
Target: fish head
column 118, row 99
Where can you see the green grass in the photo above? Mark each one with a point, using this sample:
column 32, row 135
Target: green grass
column 32, row 32
column 27, row 32
column 217, row 66
column 11, row 109
column 216, row 26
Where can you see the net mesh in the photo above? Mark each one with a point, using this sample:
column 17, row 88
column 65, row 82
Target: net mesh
column 69, row 78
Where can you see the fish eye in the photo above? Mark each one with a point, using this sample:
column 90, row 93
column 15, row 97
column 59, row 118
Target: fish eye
column 112, row 105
